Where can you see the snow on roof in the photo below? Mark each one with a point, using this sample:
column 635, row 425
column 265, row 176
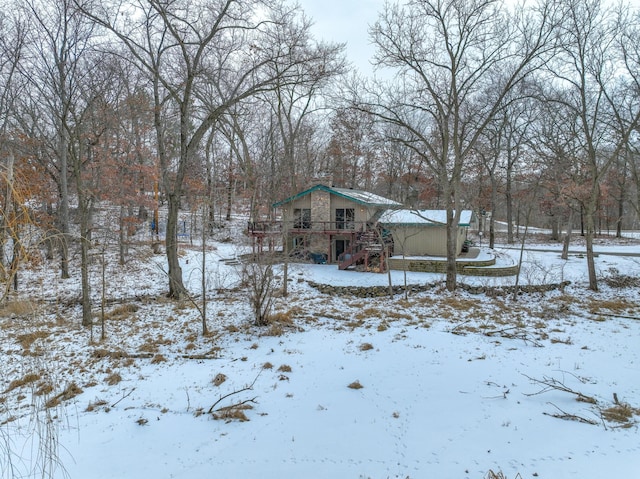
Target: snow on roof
column 362, row 196
column 422, row 217
column 359, row 196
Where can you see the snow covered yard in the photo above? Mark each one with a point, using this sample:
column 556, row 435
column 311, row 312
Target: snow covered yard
column 434, row 385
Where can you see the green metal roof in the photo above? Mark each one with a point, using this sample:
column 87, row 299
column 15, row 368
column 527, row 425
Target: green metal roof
column 357, row 196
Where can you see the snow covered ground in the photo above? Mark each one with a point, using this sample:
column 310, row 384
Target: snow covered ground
column 447, row 385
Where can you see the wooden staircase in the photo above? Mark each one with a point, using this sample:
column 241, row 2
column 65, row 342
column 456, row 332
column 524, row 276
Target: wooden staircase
column 366, row 246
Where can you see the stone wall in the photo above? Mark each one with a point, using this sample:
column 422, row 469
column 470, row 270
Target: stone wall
column 381, row 291
column 320, row 206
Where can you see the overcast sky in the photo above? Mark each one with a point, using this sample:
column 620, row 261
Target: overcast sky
column 345, row 21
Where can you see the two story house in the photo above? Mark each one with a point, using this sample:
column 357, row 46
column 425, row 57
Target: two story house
column 329, row 224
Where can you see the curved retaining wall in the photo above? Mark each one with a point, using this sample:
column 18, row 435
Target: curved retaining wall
column 469, row 268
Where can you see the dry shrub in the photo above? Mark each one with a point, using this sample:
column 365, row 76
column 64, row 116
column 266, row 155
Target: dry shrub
column 23, row 381
column 27, row 340
column 233, row 413
column 219, row 379
column 267, row 365
column 113, row 379
column 366, row 346
column 383, row 326
column 355, row 385
column 285, row 368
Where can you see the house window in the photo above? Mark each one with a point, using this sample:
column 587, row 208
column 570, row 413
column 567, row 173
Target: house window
column 302, row 218
column 345, row 218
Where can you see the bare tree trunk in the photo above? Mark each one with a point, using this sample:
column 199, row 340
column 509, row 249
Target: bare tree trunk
column 177, row 289
column 567, row 237
column 590, row 212
column 509, row 201
column 63, row 211
column 121, row 237
column 203, row 278
column 452, row 233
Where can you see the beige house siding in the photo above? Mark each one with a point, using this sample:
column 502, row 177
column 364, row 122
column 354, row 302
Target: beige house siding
column 362, row 213
column 421, row 241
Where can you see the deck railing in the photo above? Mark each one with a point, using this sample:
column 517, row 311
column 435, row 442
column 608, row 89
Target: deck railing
column 273, row 227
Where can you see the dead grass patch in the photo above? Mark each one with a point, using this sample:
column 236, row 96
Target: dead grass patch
column 72, row 390
column 274, row 330
column 27, row 340
column 285, row 368
column 357, row 323
column 366, row 346
column 113, row 379
column 94, row 405
column 499, row 475
column 398, row 315
column 267, row 365
column 621, row 413
column 618, row 305
column 369, row 313
column 158, row 358
column 219, row 379
column 101, row 353
column 460, row 304
column 20, row 307
column 288, row 316
column 23, row 381
column 124, row 311
column 233, row 413
column 44, row 388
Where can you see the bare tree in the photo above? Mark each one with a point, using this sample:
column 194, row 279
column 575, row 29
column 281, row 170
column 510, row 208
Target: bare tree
column 12, row 46
column 596, row 95
column 202, row 58
column 456, row 62
column 58, row 41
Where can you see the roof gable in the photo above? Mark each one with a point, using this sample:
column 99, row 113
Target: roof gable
column 357, row 196
column 422, row 217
